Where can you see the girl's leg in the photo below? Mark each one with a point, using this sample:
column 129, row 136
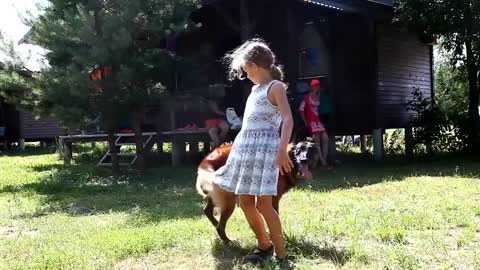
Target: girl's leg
column 213, row 132
column 325, row 145
column 316, row 139
column 255, row 220
column 223, row 131
column 264, row 205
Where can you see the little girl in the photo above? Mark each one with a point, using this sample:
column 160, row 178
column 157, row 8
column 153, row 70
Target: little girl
column 259, row 152
column 309, row 112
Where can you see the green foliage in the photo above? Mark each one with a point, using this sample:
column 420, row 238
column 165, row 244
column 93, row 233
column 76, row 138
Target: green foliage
column 437, row 129
column 443, row 125
column 125, row 36
column 394, row 142
column 430, row 125
column 455, row 24
column 16, row 82
column 451, row 85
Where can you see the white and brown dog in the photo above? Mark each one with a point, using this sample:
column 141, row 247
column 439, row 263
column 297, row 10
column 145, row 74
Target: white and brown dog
column 304, row 156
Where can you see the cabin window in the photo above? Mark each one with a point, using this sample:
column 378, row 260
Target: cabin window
column 314, row 58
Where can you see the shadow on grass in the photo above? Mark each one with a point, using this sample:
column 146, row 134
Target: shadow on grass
column 227, row 256
column 358, row 170
column 166, row 193
column 47, row 167
column 86, row 190
column 302, row 247
column 30, row 150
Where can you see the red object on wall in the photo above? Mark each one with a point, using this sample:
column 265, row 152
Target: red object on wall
column 99, row 74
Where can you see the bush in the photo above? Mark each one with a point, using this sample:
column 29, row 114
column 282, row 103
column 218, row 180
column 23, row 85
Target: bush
column 394, row 142
column 436, row 128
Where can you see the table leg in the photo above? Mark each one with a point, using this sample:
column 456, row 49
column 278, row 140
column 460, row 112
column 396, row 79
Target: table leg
column 194, row 147
column 206, row 147
column 177, row 152
column 67, row 153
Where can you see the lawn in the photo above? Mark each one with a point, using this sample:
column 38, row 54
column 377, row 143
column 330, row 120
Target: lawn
column 395, row 214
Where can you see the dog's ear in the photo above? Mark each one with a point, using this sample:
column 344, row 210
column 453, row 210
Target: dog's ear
column 296, row 150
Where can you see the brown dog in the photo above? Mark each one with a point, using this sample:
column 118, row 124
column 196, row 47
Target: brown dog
column 304, row 156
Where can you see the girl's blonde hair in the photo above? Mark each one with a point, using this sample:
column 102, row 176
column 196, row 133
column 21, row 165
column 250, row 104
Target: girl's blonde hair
column 254, row 51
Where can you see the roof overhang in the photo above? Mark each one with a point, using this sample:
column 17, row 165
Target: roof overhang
column 350, row 6
column 383, row 2
column 335, row 5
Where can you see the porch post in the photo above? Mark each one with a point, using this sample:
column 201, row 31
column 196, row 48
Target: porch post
column 21, row 144
column 378, row 118
column 409, row 142
column 67, row 153
column 178, row 148
column 3, row 124
column 332, row 21
column 363, row 143
column 332, row 148
column 193, row 146
column 21, row 135
column 378, row 144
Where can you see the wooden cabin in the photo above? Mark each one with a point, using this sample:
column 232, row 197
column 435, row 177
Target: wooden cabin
column 368, row 65
column 20, row 126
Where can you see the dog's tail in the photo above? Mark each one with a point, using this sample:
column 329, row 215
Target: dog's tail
column 205, row 182
column 207, row 189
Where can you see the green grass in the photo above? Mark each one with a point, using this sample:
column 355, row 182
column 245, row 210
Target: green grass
column 396, row 214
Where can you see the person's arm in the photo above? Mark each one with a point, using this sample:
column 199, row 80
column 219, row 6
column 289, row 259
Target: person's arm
column 215, row 109
column 278, row 96
column 301, row 111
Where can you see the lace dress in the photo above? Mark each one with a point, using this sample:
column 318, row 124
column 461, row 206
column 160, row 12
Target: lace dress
column 251, row 167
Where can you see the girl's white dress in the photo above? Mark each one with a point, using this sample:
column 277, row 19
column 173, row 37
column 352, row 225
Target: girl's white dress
column 251, row 167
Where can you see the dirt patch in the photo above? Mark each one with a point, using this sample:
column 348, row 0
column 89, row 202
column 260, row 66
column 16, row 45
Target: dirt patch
column 79, row 210
column 130, row 264
column 8, row 230
column 11, row 231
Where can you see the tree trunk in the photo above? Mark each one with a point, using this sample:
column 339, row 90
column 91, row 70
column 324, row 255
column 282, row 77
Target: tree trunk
column 111, row 128
column 473, row 95
column 3, row 122
column 110, row 119
column 3, row 114
column 137, row 115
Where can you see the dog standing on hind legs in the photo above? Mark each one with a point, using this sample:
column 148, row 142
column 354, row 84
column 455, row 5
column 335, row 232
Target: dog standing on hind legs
column 304, row 156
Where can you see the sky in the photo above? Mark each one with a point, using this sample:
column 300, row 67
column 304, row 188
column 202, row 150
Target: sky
column 13, row 29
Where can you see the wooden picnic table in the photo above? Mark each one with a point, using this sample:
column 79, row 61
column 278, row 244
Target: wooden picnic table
column 69, row 140
column 178, row 138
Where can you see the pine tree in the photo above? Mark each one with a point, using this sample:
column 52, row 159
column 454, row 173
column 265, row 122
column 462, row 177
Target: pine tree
column 121, row 38
column 16, row 81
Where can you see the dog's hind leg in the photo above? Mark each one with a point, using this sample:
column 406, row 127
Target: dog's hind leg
column 208, row 211
column 224, row 216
